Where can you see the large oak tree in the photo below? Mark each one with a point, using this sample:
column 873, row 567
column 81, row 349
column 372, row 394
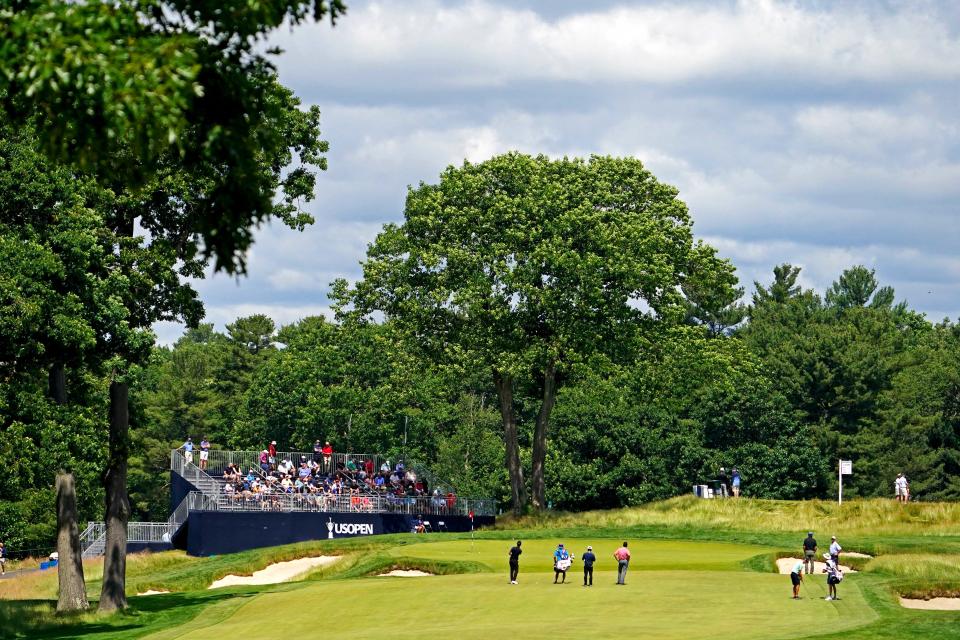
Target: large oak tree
column 527, row 267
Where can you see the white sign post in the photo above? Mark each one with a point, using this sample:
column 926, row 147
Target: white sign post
column 846, row 469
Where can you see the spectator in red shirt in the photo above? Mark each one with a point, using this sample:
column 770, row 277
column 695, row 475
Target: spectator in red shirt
column 327, row 454
column 272, row 450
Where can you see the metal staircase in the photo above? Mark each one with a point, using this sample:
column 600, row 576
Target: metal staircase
column 94, row 537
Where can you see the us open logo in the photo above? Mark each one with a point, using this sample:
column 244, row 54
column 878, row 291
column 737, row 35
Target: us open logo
column 348, row 528
column 353, row 529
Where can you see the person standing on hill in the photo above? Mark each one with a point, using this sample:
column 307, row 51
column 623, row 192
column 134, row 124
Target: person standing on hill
column 724, row 481
column 515, row 562
column 3, row 559
column 622, row 556
column 588, row 559
column 901, row 488
column 835, row 550
column 809, row 552
column 735, row 481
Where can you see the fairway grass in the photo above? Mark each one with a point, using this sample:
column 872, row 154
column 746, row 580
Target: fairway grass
column 686, row 580
column 653, row 604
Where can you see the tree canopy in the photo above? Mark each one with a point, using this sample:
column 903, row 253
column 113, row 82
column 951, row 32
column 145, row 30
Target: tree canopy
column 526, row 267
column 124, row 90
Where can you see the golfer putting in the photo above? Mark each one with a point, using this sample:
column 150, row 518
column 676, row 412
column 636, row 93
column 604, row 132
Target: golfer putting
column 796, row 578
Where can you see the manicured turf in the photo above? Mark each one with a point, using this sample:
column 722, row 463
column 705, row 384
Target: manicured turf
column 654, row 604
column 687, row 580
column 647, row 555
column 705, row 593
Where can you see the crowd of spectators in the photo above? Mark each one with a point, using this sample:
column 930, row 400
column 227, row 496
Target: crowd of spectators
column 352, row 483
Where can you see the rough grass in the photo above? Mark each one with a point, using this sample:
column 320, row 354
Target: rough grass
column 920, row 575
column 854, row 517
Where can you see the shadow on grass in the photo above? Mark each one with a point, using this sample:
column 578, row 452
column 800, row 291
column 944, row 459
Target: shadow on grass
column 146, row 614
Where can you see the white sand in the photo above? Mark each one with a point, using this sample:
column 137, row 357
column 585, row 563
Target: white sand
column 277, row 572
column 151, row 592
column 406, row 573
column 934, row 604
column 855, row 554
column 785, row 565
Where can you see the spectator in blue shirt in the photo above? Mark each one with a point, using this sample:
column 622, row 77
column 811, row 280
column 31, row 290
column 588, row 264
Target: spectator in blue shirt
column 188, row 449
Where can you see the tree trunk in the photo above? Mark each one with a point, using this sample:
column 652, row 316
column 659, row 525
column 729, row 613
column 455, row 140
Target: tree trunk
column 58, row 384
column 504, row 385
column 538, row 486
column 73, row 589
column 113, row 595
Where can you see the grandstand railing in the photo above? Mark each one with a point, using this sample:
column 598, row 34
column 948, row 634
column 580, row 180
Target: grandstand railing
column 212, row 489
column 94, row 537
column 218, row 460
column 192, row 473
column 346, row 503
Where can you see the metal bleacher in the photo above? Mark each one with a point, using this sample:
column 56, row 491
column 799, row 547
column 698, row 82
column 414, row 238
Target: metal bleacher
column 210, row 494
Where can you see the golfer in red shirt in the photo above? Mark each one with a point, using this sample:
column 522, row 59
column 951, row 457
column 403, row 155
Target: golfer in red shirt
column 622, row 556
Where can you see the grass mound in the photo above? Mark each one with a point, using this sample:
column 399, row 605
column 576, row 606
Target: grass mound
column 920, row 575
column 854, row 517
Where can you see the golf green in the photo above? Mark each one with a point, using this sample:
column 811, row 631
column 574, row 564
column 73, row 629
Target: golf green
column 708, row 597
column 538, row 554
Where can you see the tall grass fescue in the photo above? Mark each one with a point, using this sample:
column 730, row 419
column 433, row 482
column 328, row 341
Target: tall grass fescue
column 920, row 575
column 873, row 517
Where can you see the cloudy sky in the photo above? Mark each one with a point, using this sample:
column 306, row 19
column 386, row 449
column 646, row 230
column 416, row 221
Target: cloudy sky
column 820, row 133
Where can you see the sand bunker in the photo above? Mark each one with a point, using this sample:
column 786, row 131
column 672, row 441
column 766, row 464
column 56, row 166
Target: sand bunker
column 277, row 572
column 152, row 592
column 855, row 554
column 785, row 565
column 406, row 573
column 933, row 604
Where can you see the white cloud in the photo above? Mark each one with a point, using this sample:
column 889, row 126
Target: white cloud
column 930, row 283
column 823, row 134
column 424, row 43
column 281, row 314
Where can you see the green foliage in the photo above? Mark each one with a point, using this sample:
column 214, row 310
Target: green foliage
column 712, row 298
column 783, row 288
column 858, row 287
column 470, row 453
column 527, row 267
column 519, row 261
column 688, row 406
column 870, row 380
column 127, row 90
